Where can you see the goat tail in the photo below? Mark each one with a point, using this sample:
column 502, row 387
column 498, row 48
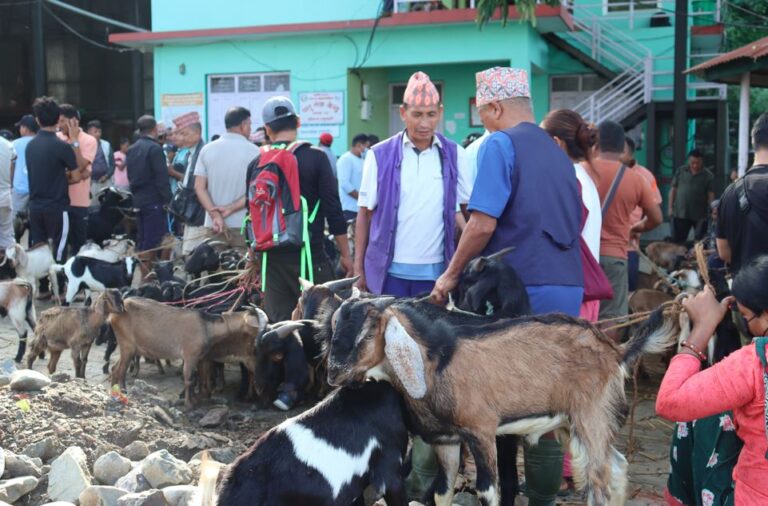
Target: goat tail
column 206, row 487
column 657, row 334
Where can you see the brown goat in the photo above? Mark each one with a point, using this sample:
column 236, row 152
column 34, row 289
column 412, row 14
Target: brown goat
column 666, row 255
column 237, row 347
column 467, row 378
column 60, row 328
column 156, row 331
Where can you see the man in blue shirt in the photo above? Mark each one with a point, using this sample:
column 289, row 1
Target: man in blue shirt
column 28, row 128
column 526, row 195
column 350, row 174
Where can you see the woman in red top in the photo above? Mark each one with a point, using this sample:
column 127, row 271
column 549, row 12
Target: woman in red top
column 736, row 383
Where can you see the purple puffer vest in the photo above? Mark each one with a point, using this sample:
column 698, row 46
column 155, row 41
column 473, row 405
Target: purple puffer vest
column 381, row 239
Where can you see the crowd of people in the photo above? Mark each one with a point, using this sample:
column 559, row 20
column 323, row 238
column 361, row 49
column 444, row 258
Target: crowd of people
column 569, row 196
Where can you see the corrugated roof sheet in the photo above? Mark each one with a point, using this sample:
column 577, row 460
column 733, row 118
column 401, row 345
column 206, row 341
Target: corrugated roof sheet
column 754, row 50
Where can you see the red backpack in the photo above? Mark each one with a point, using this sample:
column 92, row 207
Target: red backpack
column 277, row 213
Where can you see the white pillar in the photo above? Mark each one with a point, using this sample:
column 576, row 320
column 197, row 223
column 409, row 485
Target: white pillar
column 744, row 124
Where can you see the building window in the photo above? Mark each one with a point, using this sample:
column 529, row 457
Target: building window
column 566, row 91
column 624, row 5
column 245, row 90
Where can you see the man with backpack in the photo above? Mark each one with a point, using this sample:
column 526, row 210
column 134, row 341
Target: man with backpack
column 220, row 178
column 291, row 192
column 742, row 218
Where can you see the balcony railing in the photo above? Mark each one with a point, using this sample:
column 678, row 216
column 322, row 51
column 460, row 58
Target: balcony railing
column 401, row 6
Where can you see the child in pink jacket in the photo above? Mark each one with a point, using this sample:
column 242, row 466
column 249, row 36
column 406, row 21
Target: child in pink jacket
column 736, row 383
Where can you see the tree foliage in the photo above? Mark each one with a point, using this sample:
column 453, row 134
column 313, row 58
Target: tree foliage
column 486, row 9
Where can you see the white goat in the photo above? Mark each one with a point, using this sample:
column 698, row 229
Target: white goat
column 16, row 302
column 33, row 265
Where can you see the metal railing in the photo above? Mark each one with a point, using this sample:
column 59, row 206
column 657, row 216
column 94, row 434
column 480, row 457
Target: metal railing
column 637, row 13
column 401, row 6
column 619, row 97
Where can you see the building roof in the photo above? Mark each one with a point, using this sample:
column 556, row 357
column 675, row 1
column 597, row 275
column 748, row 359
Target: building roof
column 729, row 67
column 548, row 19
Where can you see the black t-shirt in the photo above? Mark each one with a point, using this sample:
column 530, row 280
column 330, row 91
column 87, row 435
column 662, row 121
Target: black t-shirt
column 746, row 233
column 48, row 159
column 316, row 181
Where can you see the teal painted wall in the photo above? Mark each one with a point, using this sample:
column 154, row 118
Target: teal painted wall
column 321, row 62
column 200, row 14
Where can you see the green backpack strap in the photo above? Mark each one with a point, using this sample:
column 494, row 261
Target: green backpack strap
column 760, row 344
column 307, row 269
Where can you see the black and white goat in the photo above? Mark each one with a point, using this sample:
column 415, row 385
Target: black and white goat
column 534, row 375
column 95, row 275
column 327, row 455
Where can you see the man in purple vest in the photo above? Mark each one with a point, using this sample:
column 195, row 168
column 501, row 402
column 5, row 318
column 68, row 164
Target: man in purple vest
column 526, row 195
column 412, row 186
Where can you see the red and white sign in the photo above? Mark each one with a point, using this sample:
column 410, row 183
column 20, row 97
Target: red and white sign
column 321, row 108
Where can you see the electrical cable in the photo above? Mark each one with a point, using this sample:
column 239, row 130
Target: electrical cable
column 746, row 11
column 83, row 37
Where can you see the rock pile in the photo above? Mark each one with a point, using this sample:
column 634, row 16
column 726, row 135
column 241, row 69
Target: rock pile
column 69, row 441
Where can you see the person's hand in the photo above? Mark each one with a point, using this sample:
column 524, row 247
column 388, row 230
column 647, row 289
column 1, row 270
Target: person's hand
column 347, row 265
column 443, row 287
column 225, row 211
column 636, row 230
column 73, row 129
column 669, row 209
column 705, row 312
column 218, row 222
column 103, row 179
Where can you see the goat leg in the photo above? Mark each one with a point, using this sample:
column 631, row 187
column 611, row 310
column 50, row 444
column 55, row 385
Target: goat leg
column 448, row 458
column 506, row 452
column 53, row 361
column 22, row 348
column 484, row 452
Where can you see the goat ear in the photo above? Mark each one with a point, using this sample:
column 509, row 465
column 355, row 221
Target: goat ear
column 257, row 318
column 404, row 354
column 479, row 264
column 305, row 284
column 116, row 301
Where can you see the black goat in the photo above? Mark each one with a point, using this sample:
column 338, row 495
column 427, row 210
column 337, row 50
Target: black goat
column 204, row 258
column 489, row 286
column 114, row 207
column 329, row 454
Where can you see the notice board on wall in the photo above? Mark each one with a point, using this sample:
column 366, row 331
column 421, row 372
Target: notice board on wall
column 245, row 90
column 173, row 105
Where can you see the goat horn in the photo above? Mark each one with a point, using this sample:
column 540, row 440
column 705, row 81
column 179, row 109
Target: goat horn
column 383, row 303
column 5, row 259
column 285, row 329
column 305, row 284
column 341, row 284
column 501, row 254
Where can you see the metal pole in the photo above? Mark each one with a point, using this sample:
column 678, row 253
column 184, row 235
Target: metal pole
column 744, row 124
column 680, row 120
column 137, row 74
column 38, row 50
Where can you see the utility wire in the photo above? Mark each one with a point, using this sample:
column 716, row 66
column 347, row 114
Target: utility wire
column 746, row 11
column 83, row 37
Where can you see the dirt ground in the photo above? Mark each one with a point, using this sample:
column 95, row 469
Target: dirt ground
column 182, row 435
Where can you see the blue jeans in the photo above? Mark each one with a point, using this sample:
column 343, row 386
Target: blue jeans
column 399, row 287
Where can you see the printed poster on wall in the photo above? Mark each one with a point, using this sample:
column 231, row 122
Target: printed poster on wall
column 321, row 108
column 173, row 105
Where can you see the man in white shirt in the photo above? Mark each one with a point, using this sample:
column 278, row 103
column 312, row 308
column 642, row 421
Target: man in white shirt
column 408, row 218
column 220, row 175
column 350, row 175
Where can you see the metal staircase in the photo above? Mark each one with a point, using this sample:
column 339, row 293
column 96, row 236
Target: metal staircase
column 635, row 76
column 612, row 48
